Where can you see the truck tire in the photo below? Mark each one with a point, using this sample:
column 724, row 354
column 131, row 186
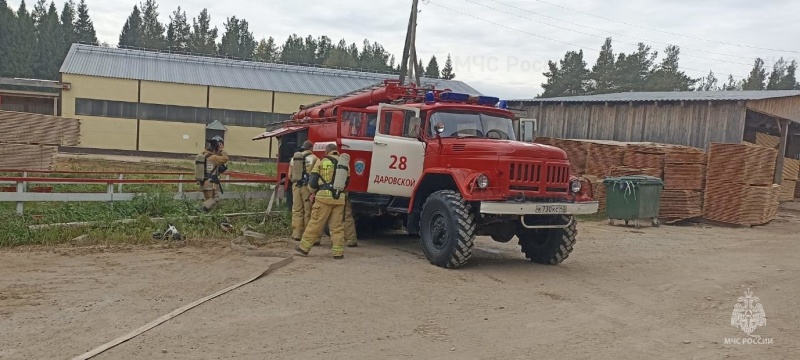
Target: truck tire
column 548, row 246
column 447, row 229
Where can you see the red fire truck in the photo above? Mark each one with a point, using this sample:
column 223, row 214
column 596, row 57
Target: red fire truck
column 447, row 167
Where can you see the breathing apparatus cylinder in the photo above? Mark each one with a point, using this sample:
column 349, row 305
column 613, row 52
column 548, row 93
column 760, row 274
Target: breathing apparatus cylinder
column 200, row 168
column 342, row 169
column 298, row 167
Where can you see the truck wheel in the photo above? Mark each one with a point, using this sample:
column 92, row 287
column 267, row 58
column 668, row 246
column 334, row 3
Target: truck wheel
column 548, row 246
column 447, row 229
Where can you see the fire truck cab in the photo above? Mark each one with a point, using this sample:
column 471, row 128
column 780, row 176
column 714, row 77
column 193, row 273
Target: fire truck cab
column 446, row 167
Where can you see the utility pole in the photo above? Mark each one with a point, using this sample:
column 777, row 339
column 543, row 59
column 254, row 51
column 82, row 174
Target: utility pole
column 408, row 67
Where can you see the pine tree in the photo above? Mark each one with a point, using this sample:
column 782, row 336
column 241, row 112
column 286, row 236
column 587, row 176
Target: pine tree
column 266, row 50
column 203, row 39
column 603, row 72
column 131, row 32
column 69, row 33
column 432, row 71
column 152, row 31
column 789, row 82
column 732, row 85
column 708, row 83
column 237, row 41
column 294, row 50
column 571, row 78
column 39, row 12
column 84, row 27
column 447, row 71
column 324, row 47
column 341, row 56
column 7, row 23
column 633, row 70
column 667, row 76
column 22, row 46
column 178, row 31
column 48, row 45
column 757, row 77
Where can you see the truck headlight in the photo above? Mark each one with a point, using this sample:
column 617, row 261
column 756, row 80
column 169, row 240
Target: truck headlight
column 575, row 186
column 482, row 181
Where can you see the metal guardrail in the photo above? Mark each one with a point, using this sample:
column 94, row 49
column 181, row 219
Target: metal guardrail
column 21, row 195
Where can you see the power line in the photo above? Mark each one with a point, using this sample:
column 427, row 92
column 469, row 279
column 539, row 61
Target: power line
column 667, row 32
column 550, row 39
column 613, row 33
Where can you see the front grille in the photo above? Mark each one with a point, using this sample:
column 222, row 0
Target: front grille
column 536, row 177
column 522, row 174
column 557, row 174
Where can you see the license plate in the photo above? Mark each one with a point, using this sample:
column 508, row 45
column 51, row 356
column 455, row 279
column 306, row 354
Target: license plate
column 551, row 209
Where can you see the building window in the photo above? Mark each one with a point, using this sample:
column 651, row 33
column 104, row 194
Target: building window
column 175, row 113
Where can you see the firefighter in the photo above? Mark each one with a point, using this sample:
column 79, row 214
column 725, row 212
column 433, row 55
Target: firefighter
column 302, row 163
column 327, row 182
column 214, row 164
column 350, row 238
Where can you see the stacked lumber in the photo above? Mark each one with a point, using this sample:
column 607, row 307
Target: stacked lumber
column 684, row 177
column 766, row 140
column 787, row 190
column 797, row 190
column 603, row 157
column 791, row 169
column 627, row 171
column 28, row 157
column 677, row 205
column 739, row 187
column 645, row 156
column 791, row 175
column 545, row 140
column 26, row 128
column 577, row 152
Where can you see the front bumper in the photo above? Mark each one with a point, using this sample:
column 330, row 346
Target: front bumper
column 537, row 208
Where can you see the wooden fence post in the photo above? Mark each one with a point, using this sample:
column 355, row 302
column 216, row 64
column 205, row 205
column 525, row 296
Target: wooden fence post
column 20, row 190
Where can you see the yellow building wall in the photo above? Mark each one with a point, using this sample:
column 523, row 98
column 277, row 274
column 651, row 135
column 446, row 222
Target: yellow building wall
column 173, row 94
column 238, row 142
column 173, row 137
column 108, row 133
column 239, row 99
column 92, row 87
column 287, row 103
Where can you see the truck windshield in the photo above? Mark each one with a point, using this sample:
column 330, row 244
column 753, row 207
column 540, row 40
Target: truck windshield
column 460, row 124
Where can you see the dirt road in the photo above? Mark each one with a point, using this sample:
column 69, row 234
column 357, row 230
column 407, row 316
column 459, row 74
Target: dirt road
column 661, row 293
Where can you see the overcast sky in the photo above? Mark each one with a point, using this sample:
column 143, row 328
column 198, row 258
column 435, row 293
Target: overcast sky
column 501, row 47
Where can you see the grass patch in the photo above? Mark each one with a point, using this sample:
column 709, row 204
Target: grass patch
column 15, row 231
column 156, row 200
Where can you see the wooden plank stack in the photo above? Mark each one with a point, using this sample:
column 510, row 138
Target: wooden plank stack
column 26, row 128
column 626, row 171
column 603, row 157
column 766, row 140
column 27, row 157
column 645, row 155
column 739, row 187
column 31, row 140
column 684, row 176
column 577, row 151
column 791, row 170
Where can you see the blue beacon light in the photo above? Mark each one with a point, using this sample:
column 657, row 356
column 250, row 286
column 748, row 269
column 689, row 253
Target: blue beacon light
column 430, row 97
column 503, row 104
column 451, row 96
column 488, row 100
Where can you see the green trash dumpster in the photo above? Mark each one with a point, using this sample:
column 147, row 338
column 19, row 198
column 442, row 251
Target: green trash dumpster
column 633, row 198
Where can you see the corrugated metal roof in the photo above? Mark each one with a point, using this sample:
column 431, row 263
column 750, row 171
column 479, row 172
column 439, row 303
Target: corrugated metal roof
column 672, row 96
column 202, row 70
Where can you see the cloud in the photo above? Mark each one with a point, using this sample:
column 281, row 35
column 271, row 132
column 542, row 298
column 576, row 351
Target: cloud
column 488, row 53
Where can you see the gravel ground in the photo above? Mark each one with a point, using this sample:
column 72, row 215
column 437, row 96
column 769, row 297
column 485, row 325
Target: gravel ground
column 663, row 293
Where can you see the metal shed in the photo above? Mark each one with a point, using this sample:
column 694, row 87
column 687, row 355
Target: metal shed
column 693, row 118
